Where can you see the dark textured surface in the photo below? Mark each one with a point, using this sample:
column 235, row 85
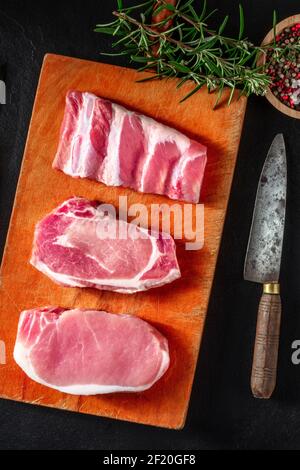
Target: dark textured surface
column 222, row 413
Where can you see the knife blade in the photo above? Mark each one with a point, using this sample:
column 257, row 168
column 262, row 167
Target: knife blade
column 262, row 265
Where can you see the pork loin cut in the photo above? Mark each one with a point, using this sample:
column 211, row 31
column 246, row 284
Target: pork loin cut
column 87, row 352
column 103, row 141
column 82, row 244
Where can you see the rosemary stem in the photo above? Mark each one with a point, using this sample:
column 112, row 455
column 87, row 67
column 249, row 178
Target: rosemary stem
column 151, row 30
column 176, row 41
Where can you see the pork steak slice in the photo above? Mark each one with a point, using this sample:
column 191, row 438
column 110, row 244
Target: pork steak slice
column 103, row 141
column 88, row 352
column 81, row 244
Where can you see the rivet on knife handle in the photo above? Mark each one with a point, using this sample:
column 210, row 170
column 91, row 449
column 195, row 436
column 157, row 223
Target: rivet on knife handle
column 264, row 367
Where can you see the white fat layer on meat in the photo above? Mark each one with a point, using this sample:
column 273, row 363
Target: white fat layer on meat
column 156, row 133
column 111, row 171
column 178, row 173
column 22, row 357
column 63, row 279
column 83, row 129
column 118, row 285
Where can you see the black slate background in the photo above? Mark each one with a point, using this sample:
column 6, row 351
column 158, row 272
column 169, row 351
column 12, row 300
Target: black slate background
column 222, row 414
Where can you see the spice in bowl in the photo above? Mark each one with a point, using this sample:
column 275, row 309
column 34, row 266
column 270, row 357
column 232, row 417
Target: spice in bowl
column 284, row 69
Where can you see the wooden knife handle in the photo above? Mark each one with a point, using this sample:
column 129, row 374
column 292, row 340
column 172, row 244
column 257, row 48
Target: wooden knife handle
column 264, row 367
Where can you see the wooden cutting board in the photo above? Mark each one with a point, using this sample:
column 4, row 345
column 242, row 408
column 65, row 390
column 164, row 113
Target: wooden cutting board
column 178, row 310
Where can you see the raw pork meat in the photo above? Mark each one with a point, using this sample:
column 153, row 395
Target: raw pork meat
column 81, row 244
column 103, row 141
column 86, row 352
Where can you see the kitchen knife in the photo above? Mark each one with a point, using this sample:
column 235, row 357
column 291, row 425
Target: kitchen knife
column 262, row 265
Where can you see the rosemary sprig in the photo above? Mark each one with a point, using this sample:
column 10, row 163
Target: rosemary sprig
column 182, row 45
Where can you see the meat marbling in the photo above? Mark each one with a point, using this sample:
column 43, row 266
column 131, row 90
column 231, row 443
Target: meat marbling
column 88, row 352
column 80, row 244
column 103, row 141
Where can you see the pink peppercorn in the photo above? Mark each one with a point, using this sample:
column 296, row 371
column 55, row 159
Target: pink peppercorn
column 285, row 70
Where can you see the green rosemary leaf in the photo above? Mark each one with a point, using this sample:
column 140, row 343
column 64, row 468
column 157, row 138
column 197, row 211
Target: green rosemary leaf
column 220, row 93
column 116, row 22
column 191, row 93
column 274, row 26
column 115, row 54
column 180, row 67
column 242, row 92
column 203, row 12
column 184, row 80
column 242, row 22
column 105, row 30
column 210, row 14
column 165, row 6
column 140, row 59
column 231, row 96
column 147, row 67
column 211, row 66
column 171, row 30
column 193, row 13
column 246, row 58
column 187, row 4
column 223, row 25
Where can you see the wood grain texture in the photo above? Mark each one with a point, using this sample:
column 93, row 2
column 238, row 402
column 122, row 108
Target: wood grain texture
column 287, row 22
column 264, row 367
column 178, row 310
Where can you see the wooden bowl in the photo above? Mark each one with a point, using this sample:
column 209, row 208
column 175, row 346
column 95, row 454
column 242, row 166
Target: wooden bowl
column 268, row 39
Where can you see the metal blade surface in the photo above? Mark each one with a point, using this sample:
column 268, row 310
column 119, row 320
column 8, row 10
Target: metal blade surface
column 263, row 258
